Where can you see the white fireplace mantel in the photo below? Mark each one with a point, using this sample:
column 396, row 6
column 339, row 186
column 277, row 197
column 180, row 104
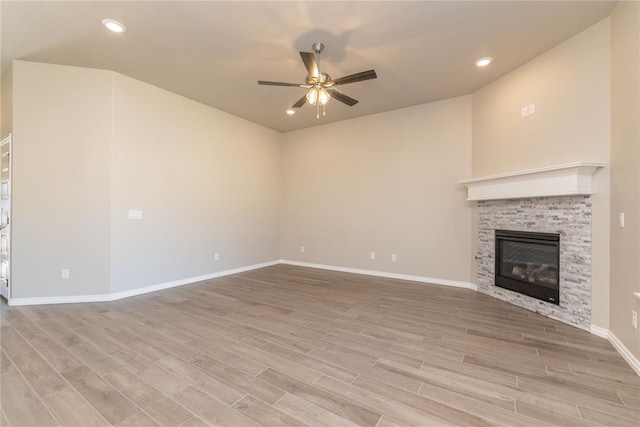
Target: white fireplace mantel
column 571, row 179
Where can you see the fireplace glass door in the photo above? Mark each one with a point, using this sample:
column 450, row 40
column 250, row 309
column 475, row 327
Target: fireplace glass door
column 528, row 263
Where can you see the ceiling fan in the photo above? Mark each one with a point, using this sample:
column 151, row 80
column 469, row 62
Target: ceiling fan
column 321, row 86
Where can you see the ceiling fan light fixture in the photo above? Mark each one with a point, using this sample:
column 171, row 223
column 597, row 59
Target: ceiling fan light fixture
column 323, row 96
column 483, row 62
column 113, row 25
column 312, row 96
column 318, row 95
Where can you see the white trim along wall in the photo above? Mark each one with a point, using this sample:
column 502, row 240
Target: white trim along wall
column 72, row 299
column 595, row 330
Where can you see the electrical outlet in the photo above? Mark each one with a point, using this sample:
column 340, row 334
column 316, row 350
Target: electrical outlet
column 634, row 320
column 64, row 273
column 301, row 248
column 216, row 256
column 373, row 255
column 524, row 112
column 394, row 257
column 621, row 220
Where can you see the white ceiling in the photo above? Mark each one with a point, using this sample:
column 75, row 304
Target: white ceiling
column 214, row 52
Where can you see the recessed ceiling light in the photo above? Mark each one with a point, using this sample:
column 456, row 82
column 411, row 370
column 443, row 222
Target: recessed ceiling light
column 113, row 25
column 483, row 62
column 291, row 112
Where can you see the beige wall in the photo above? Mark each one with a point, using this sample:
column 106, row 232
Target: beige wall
column 206, row 182
column 61, row 180
column 6, row 102
column 386, row 184
column 89, row 145
column 570, row 87
column 625, row 171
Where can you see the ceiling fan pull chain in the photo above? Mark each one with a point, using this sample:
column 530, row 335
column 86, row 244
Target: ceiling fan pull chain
column 318, row 49
column 324, row 112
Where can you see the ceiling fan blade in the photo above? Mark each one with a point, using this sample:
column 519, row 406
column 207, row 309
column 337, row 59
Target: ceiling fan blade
column 309, row 60
column 300, row 102
column 357, row 77
column 262, row 82
column 339, row 96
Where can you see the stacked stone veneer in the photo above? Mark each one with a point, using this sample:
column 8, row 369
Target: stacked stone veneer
column 568, row 216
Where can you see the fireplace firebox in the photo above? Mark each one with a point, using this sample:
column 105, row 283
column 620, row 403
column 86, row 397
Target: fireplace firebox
column 529, row 263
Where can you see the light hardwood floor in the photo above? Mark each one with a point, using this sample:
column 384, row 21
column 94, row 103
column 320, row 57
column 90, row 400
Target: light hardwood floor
column 295, row 346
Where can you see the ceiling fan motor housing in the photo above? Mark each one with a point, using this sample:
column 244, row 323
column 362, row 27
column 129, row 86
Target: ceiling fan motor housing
column 321, row 79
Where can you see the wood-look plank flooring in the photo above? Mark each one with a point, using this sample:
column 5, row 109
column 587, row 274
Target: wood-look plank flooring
column 296, row 346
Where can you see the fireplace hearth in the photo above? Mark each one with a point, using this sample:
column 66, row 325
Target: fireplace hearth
column 528, row 263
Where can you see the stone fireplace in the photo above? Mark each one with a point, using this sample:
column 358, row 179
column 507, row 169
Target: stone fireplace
column 554, row 201
column 570, row 218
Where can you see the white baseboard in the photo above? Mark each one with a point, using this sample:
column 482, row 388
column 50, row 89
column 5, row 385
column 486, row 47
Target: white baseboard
column 160, row 286
column 420, row 279
column 624, row 352
column 595, row 330
column 599, row 331
column 189, row 280
column 139, row 291
column 71, row 299
column 617, row 344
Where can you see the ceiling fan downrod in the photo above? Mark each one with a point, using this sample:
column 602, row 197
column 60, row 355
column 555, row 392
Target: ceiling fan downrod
column 317, row 48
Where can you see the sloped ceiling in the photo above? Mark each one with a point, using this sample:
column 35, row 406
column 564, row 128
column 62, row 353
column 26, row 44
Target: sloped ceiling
column 214, row 52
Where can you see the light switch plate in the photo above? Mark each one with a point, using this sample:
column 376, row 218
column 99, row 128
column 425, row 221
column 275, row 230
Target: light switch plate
column 135, row 214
